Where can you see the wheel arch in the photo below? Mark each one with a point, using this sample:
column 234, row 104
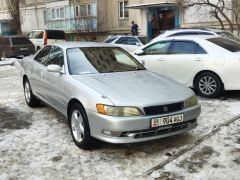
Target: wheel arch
column 71, row 103
column 24, row 78
column 206, row 71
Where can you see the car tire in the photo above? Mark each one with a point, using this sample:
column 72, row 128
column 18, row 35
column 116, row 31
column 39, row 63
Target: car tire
column 208, row 85
column 31, row 100
column 79, row 127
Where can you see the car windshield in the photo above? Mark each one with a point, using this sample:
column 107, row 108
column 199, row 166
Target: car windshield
column 110, row 39
column 227, row 44
column 90, row 60
column 229, row 35
column 144, row 40
column 20, row 41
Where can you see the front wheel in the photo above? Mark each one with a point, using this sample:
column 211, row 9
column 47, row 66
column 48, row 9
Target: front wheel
column 79, row 127
column 29, row 97
column 208, row 85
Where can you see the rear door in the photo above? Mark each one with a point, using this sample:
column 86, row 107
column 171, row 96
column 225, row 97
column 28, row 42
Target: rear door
column 155, row 55
column 185, row 59
column 22, row 46
column 54, row 36
column 37, row 39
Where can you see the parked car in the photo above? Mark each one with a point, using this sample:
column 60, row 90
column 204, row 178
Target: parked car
column 129, row 43
column 15, row 46
column 208, row 64
column 107, row 94
column 40, row 38
column 196, row 32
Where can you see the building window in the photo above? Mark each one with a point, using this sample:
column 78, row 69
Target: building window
column 123, row 10
column 83, row 10
column 58, row 13
column 45, row 16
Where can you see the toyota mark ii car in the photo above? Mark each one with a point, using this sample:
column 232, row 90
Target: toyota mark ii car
column 106, row 94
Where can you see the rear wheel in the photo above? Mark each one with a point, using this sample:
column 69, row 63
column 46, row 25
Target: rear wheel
column 208, row 85
column 31, row 100
column 79, row 127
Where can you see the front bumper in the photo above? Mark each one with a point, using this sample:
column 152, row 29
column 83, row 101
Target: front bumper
column 137, row 129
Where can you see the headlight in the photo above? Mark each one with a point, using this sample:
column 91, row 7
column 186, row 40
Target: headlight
column 190, row 102
column 118, row 110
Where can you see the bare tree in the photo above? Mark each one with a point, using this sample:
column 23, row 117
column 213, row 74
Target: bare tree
column 219, row 9
column 15, row 14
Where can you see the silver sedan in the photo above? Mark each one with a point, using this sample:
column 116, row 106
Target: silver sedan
column 106, row 94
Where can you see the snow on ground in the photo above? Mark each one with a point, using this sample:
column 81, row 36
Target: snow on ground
column 35, row 143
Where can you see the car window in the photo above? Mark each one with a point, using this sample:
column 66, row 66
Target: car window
column 158, row 48
column 53, row 34
column 55, row 57
column 225, row 43
column 122, row 40
column 132, row 41
column 144, row 40
column 205, row 33
column 200, row 50
column 37, row 34
column 20, row 41
column 184, row 47
column 100, row 60
column 111, row 39
column 229, row 35
column 42, row 56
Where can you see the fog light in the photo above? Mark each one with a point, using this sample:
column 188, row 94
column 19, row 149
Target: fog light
column 112, row 133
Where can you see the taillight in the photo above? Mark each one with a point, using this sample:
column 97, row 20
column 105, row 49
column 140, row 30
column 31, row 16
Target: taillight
column 45, row 38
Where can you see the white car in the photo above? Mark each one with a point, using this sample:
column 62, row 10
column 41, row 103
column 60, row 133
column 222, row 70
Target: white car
column 208, row 64
column 40, row 38
column 196, row 32
column 128, row 43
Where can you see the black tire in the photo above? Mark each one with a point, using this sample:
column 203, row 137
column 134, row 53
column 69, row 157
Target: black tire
column 87, row 141
column 208, row 85
column 31, row 100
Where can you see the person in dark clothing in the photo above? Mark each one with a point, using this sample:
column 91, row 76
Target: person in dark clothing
column 134, row 28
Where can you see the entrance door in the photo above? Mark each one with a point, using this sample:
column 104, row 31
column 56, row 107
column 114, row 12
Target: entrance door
column 167, row 20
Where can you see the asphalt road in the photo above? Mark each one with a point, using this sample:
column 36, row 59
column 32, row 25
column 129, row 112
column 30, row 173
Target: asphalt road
column 35, row 143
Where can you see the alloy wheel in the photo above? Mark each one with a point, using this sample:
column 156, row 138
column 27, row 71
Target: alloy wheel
column 77, row 125
column 207, row 85
column 27, row 92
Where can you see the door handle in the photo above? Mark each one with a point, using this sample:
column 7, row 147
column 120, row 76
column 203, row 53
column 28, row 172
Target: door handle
column 199, row 59
column 160, row 59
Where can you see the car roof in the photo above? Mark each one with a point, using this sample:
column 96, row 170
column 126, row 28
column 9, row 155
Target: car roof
column 188, row 37
column 79, row 44
column 125, row 36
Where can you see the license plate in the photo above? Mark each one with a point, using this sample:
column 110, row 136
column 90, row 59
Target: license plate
column 23, row 49
column 167, row 120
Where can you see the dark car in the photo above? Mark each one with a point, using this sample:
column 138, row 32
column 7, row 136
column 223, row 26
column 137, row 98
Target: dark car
column 15, row 46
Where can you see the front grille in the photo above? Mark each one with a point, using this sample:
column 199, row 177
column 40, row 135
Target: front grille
column 159, row 130
column 168, row 108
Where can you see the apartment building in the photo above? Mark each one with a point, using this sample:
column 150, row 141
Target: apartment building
column 96, row 19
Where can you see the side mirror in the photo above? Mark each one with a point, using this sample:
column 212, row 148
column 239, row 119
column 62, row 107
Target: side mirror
column 142, row 62
column 139, row 52
column 54, row 68
column 138, row 44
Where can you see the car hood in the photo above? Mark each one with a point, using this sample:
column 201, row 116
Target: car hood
column 136, row 88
